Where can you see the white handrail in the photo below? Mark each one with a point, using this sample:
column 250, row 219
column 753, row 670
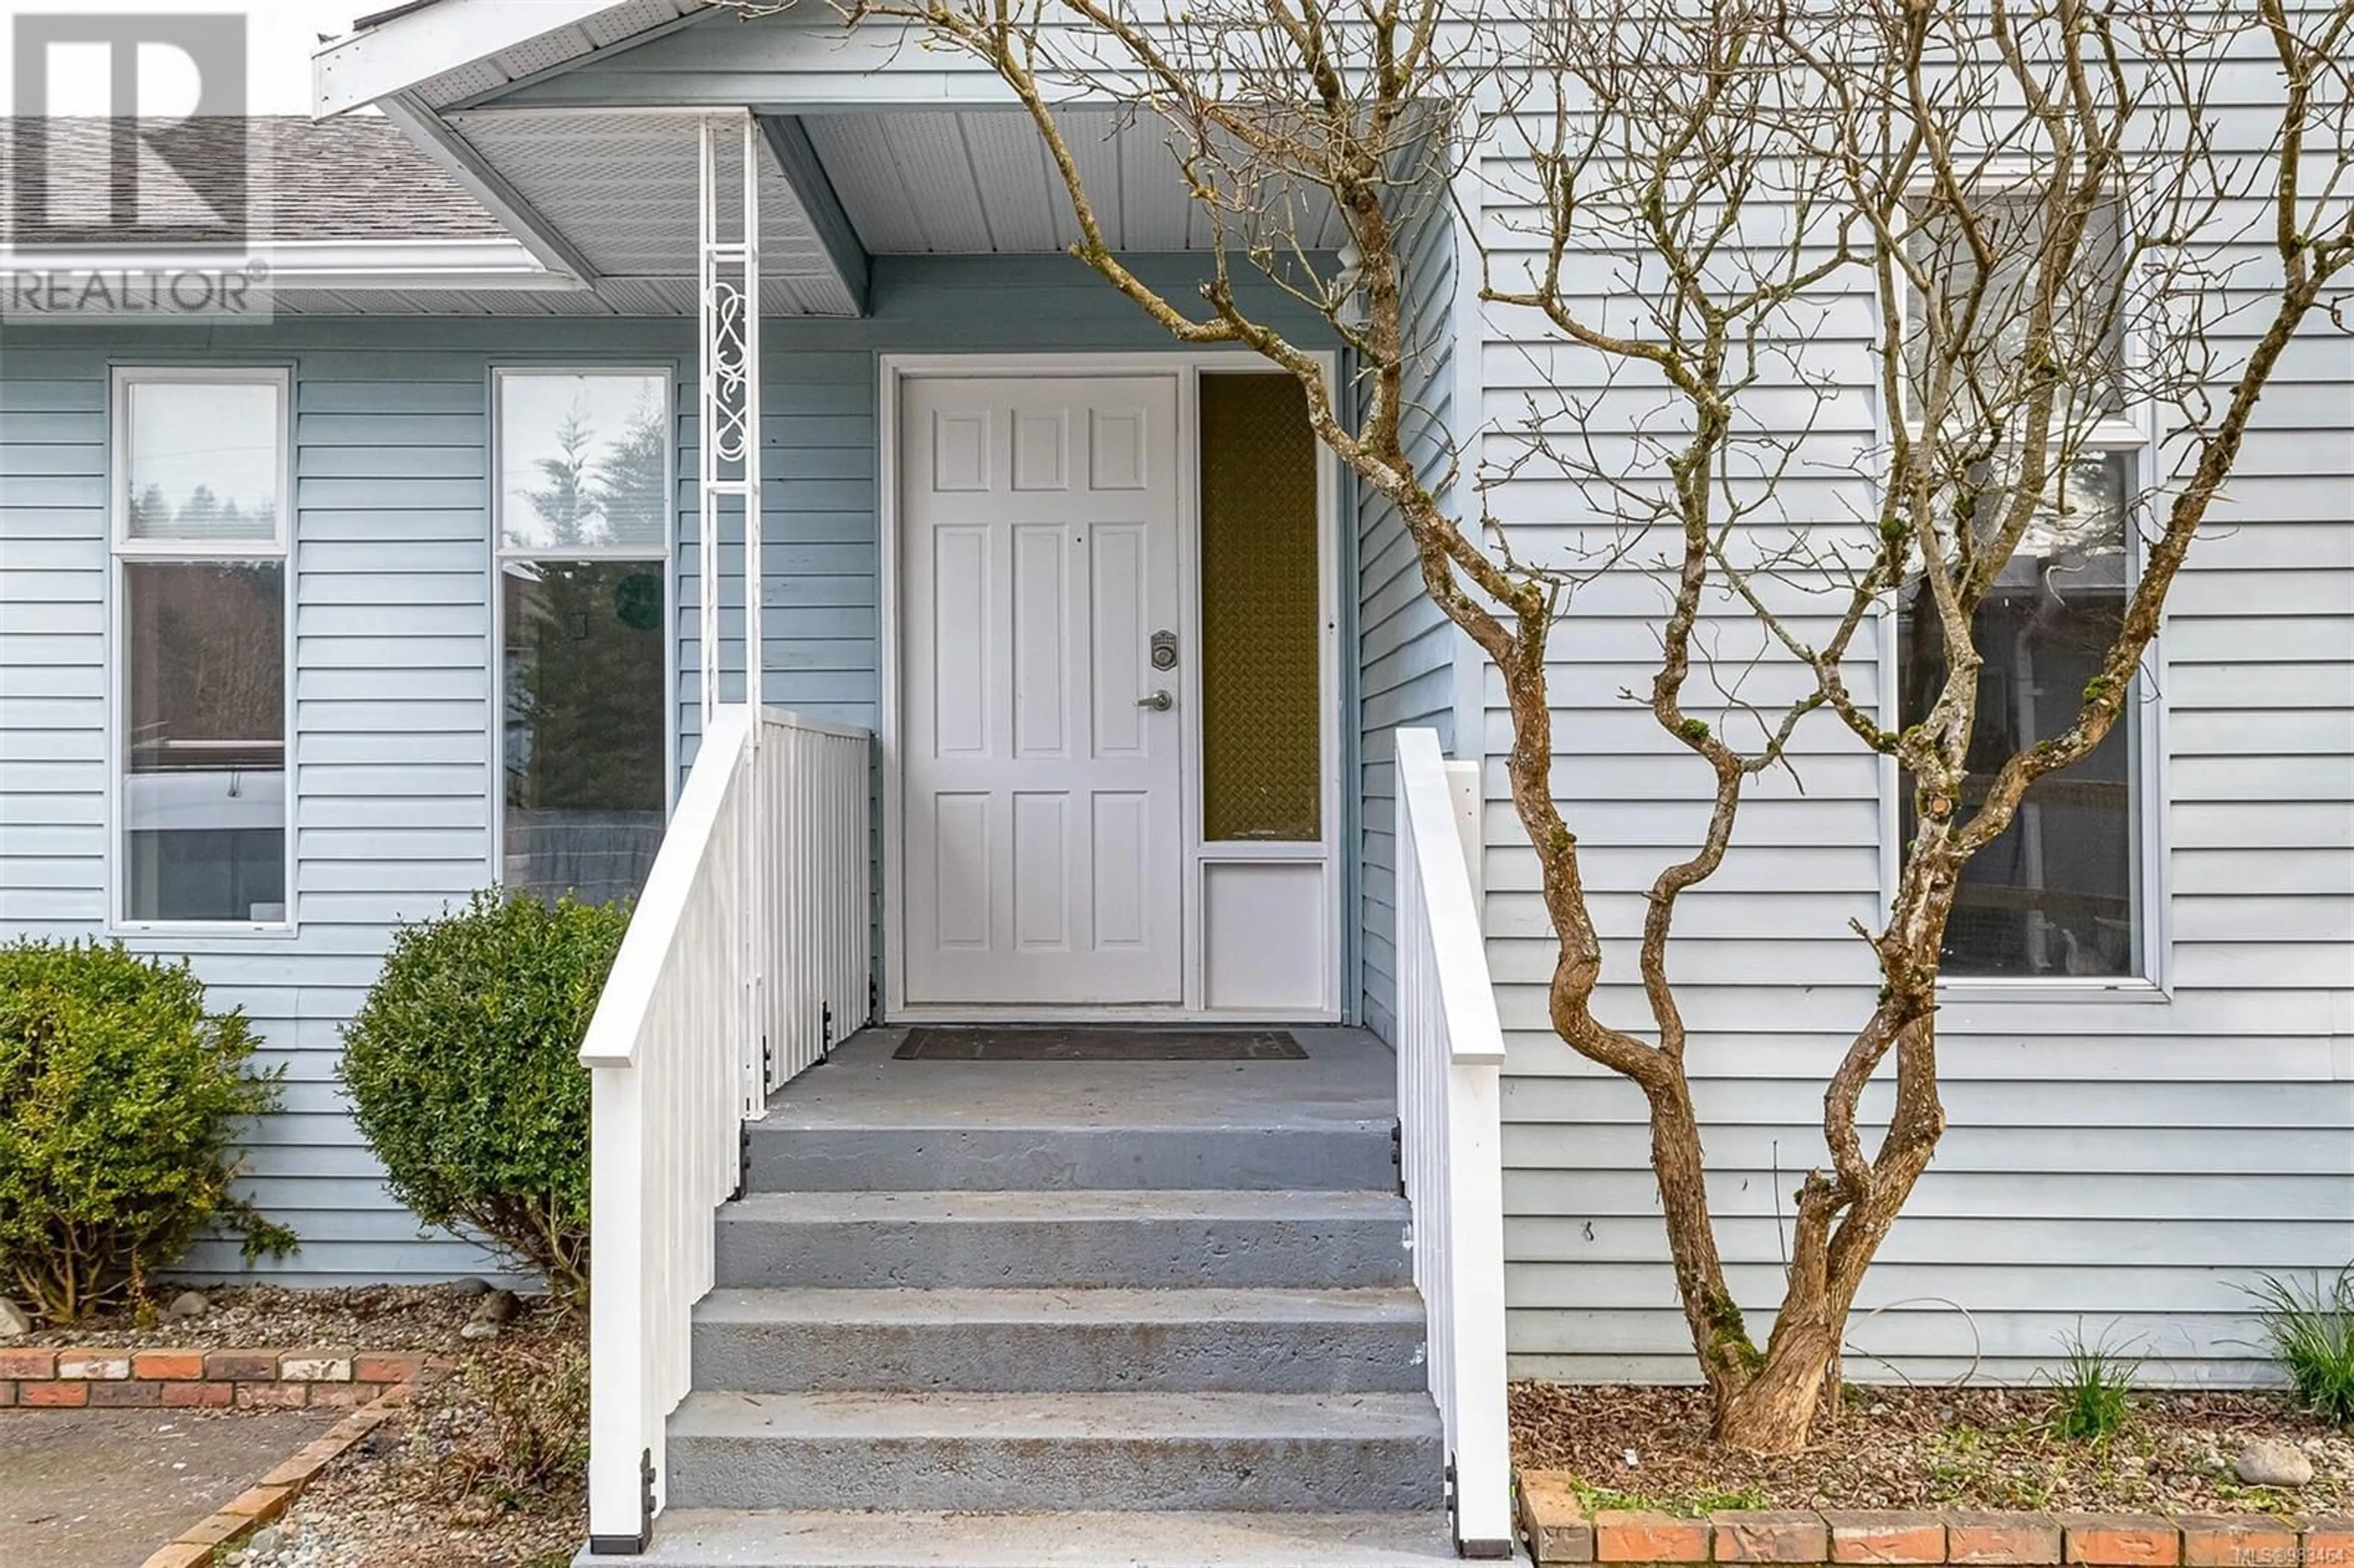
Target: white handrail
column 729, row 949
column 1450, row 1054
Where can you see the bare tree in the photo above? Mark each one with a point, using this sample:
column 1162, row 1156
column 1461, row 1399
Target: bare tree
column 1940, row 253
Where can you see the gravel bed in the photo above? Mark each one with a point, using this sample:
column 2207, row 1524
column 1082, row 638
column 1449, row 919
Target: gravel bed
column 424, row 1318
column 1916, row 1447
column 402, row 1498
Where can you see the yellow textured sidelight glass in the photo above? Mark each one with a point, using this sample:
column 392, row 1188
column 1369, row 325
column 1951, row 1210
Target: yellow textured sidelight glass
column 1262, row 776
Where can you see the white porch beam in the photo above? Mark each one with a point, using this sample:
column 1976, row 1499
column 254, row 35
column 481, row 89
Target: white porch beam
column 415, row 48
column 458, row 158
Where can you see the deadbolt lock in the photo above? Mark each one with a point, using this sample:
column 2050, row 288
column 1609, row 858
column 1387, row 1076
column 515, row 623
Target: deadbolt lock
column 1164, row 650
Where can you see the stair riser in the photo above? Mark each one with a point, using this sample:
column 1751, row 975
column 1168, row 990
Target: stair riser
column 1292, row 1474
column 1098, row 1158
column 1231, row 1356
column 1076, row 1254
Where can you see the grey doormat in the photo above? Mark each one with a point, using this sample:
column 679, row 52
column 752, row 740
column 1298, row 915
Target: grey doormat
column 1035, row 1043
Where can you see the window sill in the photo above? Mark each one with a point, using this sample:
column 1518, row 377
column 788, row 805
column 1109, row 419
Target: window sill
column 2073, row 989
column 234, row 930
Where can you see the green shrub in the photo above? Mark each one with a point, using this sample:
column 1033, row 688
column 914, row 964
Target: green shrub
column 462, row 1071
column 120, row 1099
column 2310, row 1331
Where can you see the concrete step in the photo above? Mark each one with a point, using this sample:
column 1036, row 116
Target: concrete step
column 704, row 1537
column 1074, row 1239
column 1148, row 1452
column 1266, row 1155
column 1269, row 1340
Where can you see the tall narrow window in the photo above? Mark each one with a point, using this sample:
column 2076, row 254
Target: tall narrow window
column 1262, row 776
column 200, row 597
column 584, row 540
column 2060, row 892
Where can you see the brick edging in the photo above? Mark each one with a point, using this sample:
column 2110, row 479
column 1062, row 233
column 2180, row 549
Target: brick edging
column 1557, row 1530
column 200, row 1544
column 126, row 1379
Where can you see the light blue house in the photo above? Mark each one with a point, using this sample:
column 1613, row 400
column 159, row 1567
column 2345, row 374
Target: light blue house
column 1097, row 671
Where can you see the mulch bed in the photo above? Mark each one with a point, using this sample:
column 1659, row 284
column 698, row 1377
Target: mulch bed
column 1929, row 1448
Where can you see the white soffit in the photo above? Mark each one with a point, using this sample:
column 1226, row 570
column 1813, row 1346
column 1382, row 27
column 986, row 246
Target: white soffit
column 975, row 181
column 454, row 49
column 621, row 188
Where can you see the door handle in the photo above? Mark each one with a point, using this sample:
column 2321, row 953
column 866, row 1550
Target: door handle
column 1158, row 701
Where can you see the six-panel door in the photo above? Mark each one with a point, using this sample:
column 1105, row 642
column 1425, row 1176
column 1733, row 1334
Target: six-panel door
column 1043, row 776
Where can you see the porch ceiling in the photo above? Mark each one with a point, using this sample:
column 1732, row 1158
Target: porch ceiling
column 621, row 188
column 580, row 134
column 979, row 182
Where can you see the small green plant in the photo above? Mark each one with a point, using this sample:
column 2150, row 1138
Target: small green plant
column 122, row 1100
column 463, row 1074
column 1691, row 1502
column 2095, row 1389
column 2309, row 1327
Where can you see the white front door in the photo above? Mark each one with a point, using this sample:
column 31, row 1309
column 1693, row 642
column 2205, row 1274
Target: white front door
column 1044, row 849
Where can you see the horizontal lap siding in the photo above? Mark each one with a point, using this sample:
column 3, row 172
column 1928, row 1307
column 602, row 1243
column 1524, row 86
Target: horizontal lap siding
column 1406, row 646
column 393, row 747
column 390, row 748
column 2124, row 1166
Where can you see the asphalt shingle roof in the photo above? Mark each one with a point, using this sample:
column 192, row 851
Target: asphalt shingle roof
column 356, row 178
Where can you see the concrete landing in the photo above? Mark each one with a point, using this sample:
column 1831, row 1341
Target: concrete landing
column 1349, row 1078
column 865, row 1122
column 688, row 1538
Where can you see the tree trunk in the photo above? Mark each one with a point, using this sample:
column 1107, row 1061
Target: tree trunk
column 1774, row 1412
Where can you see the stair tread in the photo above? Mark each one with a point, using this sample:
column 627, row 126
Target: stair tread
column 1075, row 1306
column 706, row 1538
column 985, row 1417
column 1064, row 1204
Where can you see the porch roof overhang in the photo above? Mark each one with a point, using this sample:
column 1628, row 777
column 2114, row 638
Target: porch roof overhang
column 575, row 122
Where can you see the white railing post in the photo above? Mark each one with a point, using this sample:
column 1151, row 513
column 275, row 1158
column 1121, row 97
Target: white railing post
column 1450, row 1054
column 620, row 1503
column 666, row 1050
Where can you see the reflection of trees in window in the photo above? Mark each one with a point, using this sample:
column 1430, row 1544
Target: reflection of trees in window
column 208, row 649
column 600, row 494
column 584, row 685
column 2054, row 893
column 633, row 476
column 586, row 714
column 203, row 515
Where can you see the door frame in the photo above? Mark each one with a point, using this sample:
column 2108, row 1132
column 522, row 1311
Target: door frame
column 1186, row 367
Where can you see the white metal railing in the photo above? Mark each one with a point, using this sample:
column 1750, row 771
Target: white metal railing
column 1450, row 1056
column 733, row 949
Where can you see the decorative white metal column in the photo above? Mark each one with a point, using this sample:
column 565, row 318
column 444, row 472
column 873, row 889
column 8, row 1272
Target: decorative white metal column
column 728, row 449
column 728, row 469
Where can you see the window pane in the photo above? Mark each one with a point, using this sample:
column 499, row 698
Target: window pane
column 204, row 802
column 585, row 726
column 2059, row 892
column 203, row 461
column 1983, row 328
column 1261, row 767
column 584, row 462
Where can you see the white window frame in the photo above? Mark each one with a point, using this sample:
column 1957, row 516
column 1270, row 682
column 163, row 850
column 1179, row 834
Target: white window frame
column 666, row 554
column 122, row 549
column 2131, row 434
